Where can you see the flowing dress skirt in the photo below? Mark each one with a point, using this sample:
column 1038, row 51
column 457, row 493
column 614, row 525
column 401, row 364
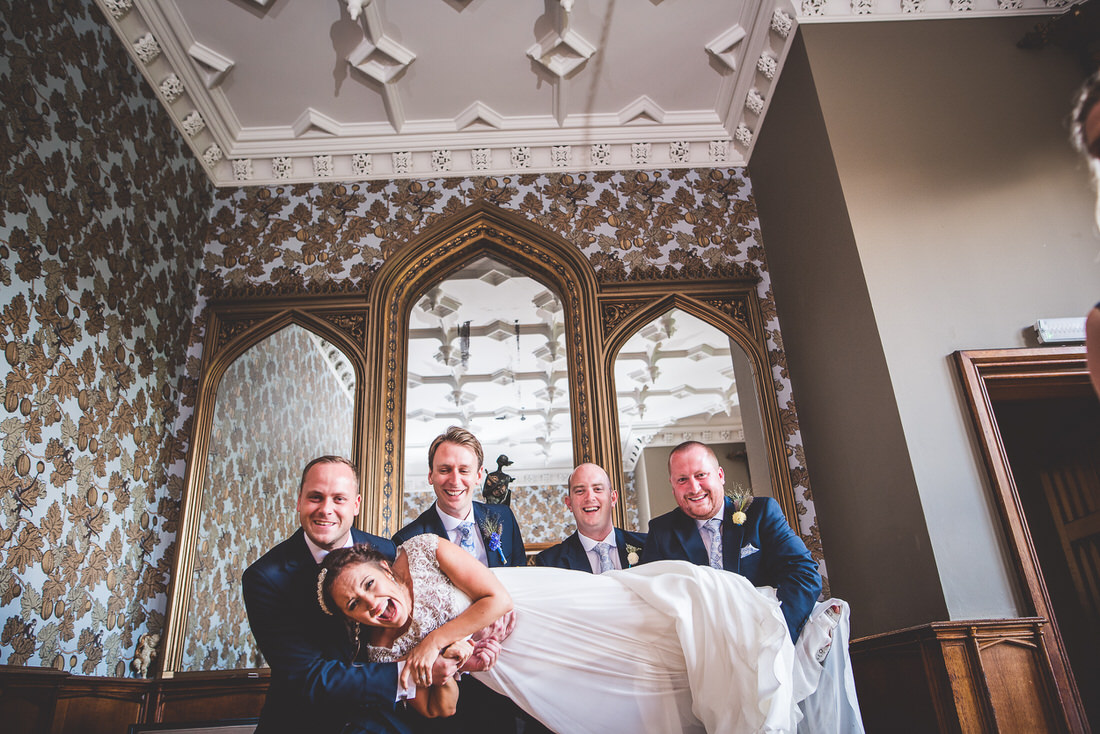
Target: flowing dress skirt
column 665, row 647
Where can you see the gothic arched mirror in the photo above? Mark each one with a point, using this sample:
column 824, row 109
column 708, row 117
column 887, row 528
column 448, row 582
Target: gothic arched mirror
column 486, row 351
column 458, row 294
column 679, row 378
column 275, row 397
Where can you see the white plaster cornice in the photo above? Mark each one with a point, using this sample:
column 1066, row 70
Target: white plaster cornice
column 560, row 128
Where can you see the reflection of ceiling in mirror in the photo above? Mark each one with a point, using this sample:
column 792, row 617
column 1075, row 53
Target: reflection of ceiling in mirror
column 487, row 352
column 676, row 372
column 338, row 363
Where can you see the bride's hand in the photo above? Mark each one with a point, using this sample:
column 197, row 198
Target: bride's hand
column 419, row 663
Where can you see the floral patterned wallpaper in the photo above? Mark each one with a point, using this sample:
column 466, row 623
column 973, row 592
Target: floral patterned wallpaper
column 111, row 244
column 102, row 213
column 279, row 406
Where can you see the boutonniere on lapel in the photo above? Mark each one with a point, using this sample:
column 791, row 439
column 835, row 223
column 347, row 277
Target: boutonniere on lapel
column 742, row 498
column 632, row 556
column 491, row 528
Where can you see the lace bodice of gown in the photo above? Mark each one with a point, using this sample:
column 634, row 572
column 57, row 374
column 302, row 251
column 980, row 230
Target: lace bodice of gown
column 435, row 599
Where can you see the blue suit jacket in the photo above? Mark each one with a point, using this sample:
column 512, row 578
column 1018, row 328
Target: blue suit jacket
column 511, row 542
column 315, row 686
column 781, row 559
column 570, row 553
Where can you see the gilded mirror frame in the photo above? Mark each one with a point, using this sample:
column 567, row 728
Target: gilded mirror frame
column 371, row 325
column 481, row 230
column 232, row 328
column 732, row 307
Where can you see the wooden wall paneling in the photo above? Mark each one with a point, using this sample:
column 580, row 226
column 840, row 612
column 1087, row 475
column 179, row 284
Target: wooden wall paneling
column 209, row 696
column 1017, row 685
column 93, row 705
column 28, row 697
column 895, row 694
column 965, row 676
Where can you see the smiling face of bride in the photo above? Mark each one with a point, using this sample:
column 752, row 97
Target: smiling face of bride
column 370, row 594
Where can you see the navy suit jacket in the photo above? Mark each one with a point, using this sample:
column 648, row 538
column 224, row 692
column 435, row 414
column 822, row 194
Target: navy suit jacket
column 511, row 542
column 781, row 559
column 315, row 686
column 570, row 553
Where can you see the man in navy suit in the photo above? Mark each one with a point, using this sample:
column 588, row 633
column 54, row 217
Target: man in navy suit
column 455, row 471
column 315, row 687
column 709, row 529
column 597, row 545
column 488, row 532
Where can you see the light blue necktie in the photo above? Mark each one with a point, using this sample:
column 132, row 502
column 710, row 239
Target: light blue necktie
column 603, row 550
column 714, row 527
column 466, row 542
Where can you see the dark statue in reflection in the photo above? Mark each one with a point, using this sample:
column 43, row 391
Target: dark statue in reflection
column 495, row 491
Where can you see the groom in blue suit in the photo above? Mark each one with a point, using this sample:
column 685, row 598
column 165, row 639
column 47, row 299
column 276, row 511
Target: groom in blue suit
column 455, row 471
column 597, row 545
column 315, row 687
column 488, row 532
column 707, row 528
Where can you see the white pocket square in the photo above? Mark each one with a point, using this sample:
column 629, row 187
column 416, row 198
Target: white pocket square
column 748, row 550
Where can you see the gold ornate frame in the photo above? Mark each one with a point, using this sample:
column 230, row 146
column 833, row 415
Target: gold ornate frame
column 371, row 327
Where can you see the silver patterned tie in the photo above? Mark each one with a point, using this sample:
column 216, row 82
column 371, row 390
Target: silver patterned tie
column 603, row 550
column 714, row 527
column 466, row 541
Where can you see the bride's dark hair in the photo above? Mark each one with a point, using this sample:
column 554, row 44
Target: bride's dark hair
column 333, row 565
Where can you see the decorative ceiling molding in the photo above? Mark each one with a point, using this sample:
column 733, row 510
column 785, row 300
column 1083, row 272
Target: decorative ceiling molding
column 212, row 65
column 833, row 11
column 547, row 107
column 724, row 46
column 478, row 113
column 313, row 121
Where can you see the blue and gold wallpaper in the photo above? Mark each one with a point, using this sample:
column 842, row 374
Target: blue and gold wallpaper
column 102, row 220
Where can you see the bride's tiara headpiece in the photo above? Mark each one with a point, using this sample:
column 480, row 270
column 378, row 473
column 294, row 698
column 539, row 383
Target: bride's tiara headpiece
column 321, row 591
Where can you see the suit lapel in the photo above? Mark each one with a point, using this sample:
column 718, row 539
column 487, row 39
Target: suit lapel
column 301, row 566
column 620, row 544
column 491, row 556
column 687, row 532
column 432, row 523
column 733, row 536
column 574, row 554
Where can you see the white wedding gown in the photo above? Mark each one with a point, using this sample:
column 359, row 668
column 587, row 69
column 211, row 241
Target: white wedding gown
column 664, row 647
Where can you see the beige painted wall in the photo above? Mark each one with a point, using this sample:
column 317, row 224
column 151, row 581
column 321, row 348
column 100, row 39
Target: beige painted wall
column 971, row 218
column 869, row 513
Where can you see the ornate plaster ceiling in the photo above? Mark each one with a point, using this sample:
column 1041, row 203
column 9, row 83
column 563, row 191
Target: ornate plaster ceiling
column 271, row 91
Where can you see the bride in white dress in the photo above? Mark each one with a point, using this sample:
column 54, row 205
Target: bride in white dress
column 664, row 647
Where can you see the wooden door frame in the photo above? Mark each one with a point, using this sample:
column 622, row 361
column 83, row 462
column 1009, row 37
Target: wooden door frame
column 1024, row 374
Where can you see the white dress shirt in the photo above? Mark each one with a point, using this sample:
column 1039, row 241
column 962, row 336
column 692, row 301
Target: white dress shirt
column 594, row 557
